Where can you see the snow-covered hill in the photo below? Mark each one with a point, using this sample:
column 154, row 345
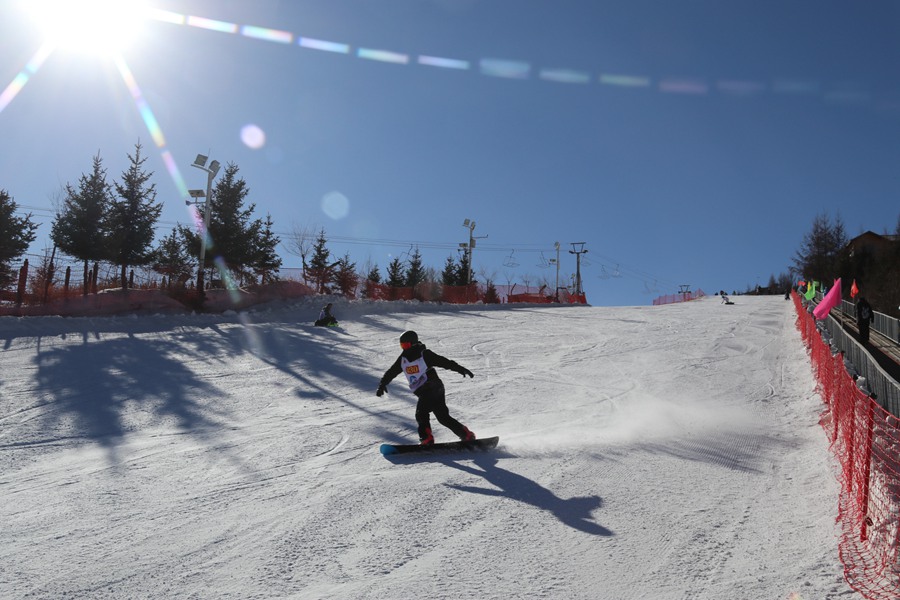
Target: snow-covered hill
column 649, row 452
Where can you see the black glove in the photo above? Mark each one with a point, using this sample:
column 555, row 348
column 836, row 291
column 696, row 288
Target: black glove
column 465, row 372
column 382, row 390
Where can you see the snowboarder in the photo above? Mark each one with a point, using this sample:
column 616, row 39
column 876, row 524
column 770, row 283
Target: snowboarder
column 864, row 317
column 326, row 319
column 418, row 364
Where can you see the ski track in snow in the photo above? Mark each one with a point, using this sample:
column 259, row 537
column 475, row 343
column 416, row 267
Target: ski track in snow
column 645, row 452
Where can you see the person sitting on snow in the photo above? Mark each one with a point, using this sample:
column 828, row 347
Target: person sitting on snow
column 326, row 319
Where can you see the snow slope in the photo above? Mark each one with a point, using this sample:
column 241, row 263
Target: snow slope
column 645, row 452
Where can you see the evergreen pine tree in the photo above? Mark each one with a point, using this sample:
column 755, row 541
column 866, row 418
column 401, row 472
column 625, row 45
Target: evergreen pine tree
column 345, row 276
column 462, row 277
column 267, row 262
column 133, row 217
column 817, row 257
column 373, row 278
column 396, row 275
column 80, row 228
column 415, row 273
column 231, row 229
column 16, row 234
column 320, row 269
column 171, row 258
column 490, row 294
column 450, row 274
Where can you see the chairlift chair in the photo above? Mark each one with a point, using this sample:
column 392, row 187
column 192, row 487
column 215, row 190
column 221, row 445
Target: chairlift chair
column 510, row 261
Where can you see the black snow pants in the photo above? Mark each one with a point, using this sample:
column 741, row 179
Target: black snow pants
column 432, row 400
column 864, row 331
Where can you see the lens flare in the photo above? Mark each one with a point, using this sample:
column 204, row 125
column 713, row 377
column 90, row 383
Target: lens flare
column 565, row 76
column 234, row 293
column 19, row 81
column 269, row 35
column 509, row 69
column 625, row 80
column 323, row 45
column 513, row 69
column 212, row 24
column 383, row 56
column 683, row 86
column 253, row 136
column 335, row 205
column 445, row 63
column 101, row 27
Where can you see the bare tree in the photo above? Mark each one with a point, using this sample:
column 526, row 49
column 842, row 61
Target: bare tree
column 486, row 275
column 300, row 242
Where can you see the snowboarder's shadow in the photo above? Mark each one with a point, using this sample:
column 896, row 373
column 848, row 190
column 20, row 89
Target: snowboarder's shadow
column 574, row 512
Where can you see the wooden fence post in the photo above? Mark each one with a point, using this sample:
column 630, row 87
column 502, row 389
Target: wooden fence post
column 23, row 277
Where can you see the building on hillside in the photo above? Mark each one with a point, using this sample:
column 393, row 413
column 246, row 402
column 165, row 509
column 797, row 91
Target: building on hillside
column 871, row 243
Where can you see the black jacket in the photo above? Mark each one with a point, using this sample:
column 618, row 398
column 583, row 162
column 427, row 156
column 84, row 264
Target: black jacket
column 864, row 312
column 432, row 360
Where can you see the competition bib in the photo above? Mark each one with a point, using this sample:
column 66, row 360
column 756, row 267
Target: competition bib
column 415, row 372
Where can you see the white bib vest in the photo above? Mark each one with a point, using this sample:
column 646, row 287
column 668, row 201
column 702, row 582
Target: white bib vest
column 415, row 372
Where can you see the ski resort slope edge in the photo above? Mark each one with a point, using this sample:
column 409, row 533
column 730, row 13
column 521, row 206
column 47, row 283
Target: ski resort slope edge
column 645, row 452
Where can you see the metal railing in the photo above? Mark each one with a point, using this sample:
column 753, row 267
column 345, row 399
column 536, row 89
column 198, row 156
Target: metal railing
column 884, row 324
column 878, row 383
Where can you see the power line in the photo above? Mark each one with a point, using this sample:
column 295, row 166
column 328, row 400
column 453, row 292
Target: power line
column 620, row 268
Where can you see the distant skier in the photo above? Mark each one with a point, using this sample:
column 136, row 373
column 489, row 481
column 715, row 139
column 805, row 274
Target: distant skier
column 418, row 364
column 864, row 317
column 326, row 319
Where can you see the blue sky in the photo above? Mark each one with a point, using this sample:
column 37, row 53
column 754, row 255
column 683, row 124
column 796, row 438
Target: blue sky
column 685, row 142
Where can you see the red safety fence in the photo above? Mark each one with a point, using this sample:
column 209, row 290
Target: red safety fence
column 679, row 297
column 865, row 438
column 469, row 294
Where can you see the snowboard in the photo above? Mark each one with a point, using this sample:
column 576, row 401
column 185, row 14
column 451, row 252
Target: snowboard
column 479, row 444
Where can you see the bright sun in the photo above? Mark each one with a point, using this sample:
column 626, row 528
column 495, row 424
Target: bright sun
column 99, row 27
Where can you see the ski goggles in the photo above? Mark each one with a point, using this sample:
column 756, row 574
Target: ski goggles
column 406, row 345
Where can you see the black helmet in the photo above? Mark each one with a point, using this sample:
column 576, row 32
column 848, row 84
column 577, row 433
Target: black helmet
column 409, row 337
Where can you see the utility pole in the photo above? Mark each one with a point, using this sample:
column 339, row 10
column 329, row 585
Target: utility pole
column 578, row 251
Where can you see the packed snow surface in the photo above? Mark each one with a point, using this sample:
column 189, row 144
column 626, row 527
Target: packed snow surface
column 666, row 452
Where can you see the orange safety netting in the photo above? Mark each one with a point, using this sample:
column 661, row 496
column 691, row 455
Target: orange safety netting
column 468, row 294
column 865, row 438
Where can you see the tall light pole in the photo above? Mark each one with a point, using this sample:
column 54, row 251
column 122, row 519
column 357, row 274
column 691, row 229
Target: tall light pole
column 556, row 261
column 578, row 252
column 211, row 172
column 470, row 225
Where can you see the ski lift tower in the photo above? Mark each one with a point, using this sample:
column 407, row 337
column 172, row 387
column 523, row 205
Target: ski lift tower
column 578, row 250
column 685, row 291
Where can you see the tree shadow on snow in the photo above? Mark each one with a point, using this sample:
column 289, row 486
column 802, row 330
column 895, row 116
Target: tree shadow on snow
column 574, row 512
column 90, row 388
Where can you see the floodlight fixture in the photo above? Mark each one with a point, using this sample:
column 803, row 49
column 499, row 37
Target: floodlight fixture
column 214, row 168
column 200, row 161
column 579, row 250
column 466, row 223
column 197, row 193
